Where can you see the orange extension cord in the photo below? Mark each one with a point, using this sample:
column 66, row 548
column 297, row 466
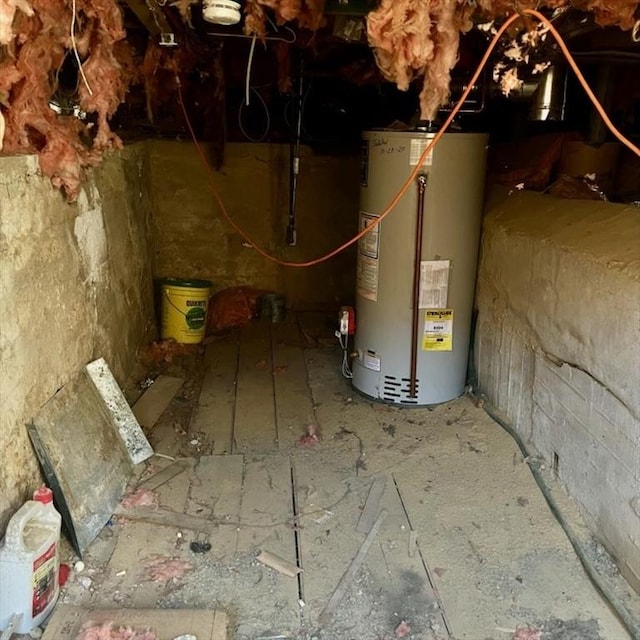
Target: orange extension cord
column 412, row 176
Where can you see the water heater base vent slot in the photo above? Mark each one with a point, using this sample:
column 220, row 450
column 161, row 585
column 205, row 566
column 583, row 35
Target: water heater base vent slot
column 397, row 390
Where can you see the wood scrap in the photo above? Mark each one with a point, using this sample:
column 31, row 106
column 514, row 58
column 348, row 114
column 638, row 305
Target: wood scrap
column 279, row 564
column 168, row 518
column 372, row 505
column 163, row 476
column 348, row 576
column 156, row 399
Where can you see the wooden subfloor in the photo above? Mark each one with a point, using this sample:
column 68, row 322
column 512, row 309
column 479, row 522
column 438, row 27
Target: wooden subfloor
column 466, row 547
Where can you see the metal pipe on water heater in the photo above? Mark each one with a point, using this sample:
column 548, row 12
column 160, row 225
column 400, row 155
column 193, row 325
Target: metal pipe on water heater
column 417, row 260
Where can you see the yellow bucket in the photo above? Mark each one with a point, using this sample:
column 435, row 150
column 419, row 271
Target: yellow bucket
column 184, row 310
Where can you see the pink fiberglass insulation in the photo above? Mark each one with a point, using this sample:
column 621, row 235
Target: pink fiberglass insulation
column 139, row 498
column 527, row 633
column 308, row 14
column 8, row 10
column 164, row 569
column 40, row 43
column 420, row 38
column 108, row 631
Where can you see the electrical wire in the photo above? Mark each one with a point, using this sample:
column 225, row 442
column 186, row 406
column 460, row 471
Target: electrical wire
column 267, row 125
column 290, row 40
column 247, row 84
column 434, row 141
column 75, row 47
column 346, row 367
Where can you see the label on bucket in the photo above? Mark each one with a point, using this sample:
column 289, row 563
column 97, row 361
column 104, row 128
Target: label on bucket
column 196, row 315
column 44, row 579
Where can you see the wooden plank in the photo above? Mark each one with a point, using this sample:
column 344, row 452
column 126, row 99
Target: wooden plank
column 255, row 421
column 166, row 474
column 156, row 399
column 394, row 563
column 118, row 408
column 213, row 415
column 216, row 494
column 293, row 401
column 220, row 626
column 168, row 518
column 348, row 576
column 372, row 505
column 267, row 503
column 128, row 572
column 67, row 620
column 330, row 509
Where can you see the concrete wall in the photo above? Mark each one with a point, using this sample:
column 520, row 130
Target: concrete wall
column 558, row 348
column 75, row 284
column 192, row 239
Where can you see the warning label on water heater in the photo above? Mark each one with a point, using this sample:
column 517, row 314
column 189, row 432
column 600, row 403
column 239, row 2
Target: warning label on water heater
column 368, row 259
column 438, row 330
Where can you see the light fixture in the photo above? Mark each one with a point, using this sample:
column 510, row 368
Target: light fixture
column 225, row 12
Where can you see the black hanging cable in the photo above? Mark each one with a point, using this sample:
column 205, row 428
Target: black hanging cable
column 294, row 156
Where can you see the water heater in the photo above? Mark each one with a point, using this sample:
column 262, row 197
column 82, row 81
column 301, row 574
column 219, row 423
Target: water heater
column 417, row 267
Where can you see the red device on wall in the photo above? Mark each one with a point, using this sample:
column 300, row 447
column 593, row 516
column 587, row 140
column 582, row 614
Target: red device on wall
column 347, row 319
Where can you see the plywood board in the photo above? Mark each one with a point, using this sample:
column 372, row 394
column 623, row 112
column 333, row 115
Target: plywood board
column 128, row 427
column 67, row 621
column 156, row 399
column 255, row 421
column 83, row 457
column 213, row 415
column 293, row 402
column 267, row 503
column 215, row 493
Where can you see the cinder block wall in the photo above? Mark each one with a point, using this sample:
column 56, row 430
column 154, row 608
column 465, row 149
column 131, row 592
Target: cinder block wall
column 75, row 284
column 558, row 348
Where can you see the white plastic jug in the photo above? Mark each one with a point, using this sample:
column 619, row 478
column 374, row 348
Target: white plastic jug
column 29, row 563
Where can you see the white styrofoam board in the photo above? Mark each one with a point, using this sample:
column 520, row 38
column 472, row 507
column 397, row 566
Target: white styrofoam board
column 125, row 421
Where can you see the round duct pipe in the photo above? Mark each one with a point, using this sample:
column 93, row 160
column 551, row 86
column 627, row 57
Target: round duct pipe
column 550, row 97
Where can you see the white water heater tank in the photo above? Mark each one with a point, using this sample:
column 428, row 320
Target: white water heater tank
column 417, row 269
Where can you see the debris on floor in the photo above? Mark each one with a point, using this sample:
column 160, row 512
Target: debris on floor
column 68, row 622
column 279, row 564
column 311, row 437
column 139, row 498
column 108, row 631
column 166, row 350
column 527, row 633
column 403, row 630
column 220, row 509
column 163, row 569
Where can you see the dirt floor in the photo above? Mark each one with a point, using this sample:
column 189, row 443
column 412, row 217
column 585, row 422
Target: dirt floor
column 415, row 523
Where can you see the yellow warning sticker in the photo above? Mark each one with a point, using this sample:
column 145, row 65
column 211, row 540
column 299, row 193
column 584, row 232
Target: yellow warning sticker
column 438, row 330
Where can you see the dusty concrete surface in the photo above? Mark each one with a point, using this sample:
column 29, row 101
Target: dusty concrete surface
column 558, row 348
column 489, row 556
column 75, row 284
column 193, row 240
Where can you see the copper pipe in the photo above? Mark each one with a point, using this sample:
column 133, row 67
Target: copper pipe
column 417, row 260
